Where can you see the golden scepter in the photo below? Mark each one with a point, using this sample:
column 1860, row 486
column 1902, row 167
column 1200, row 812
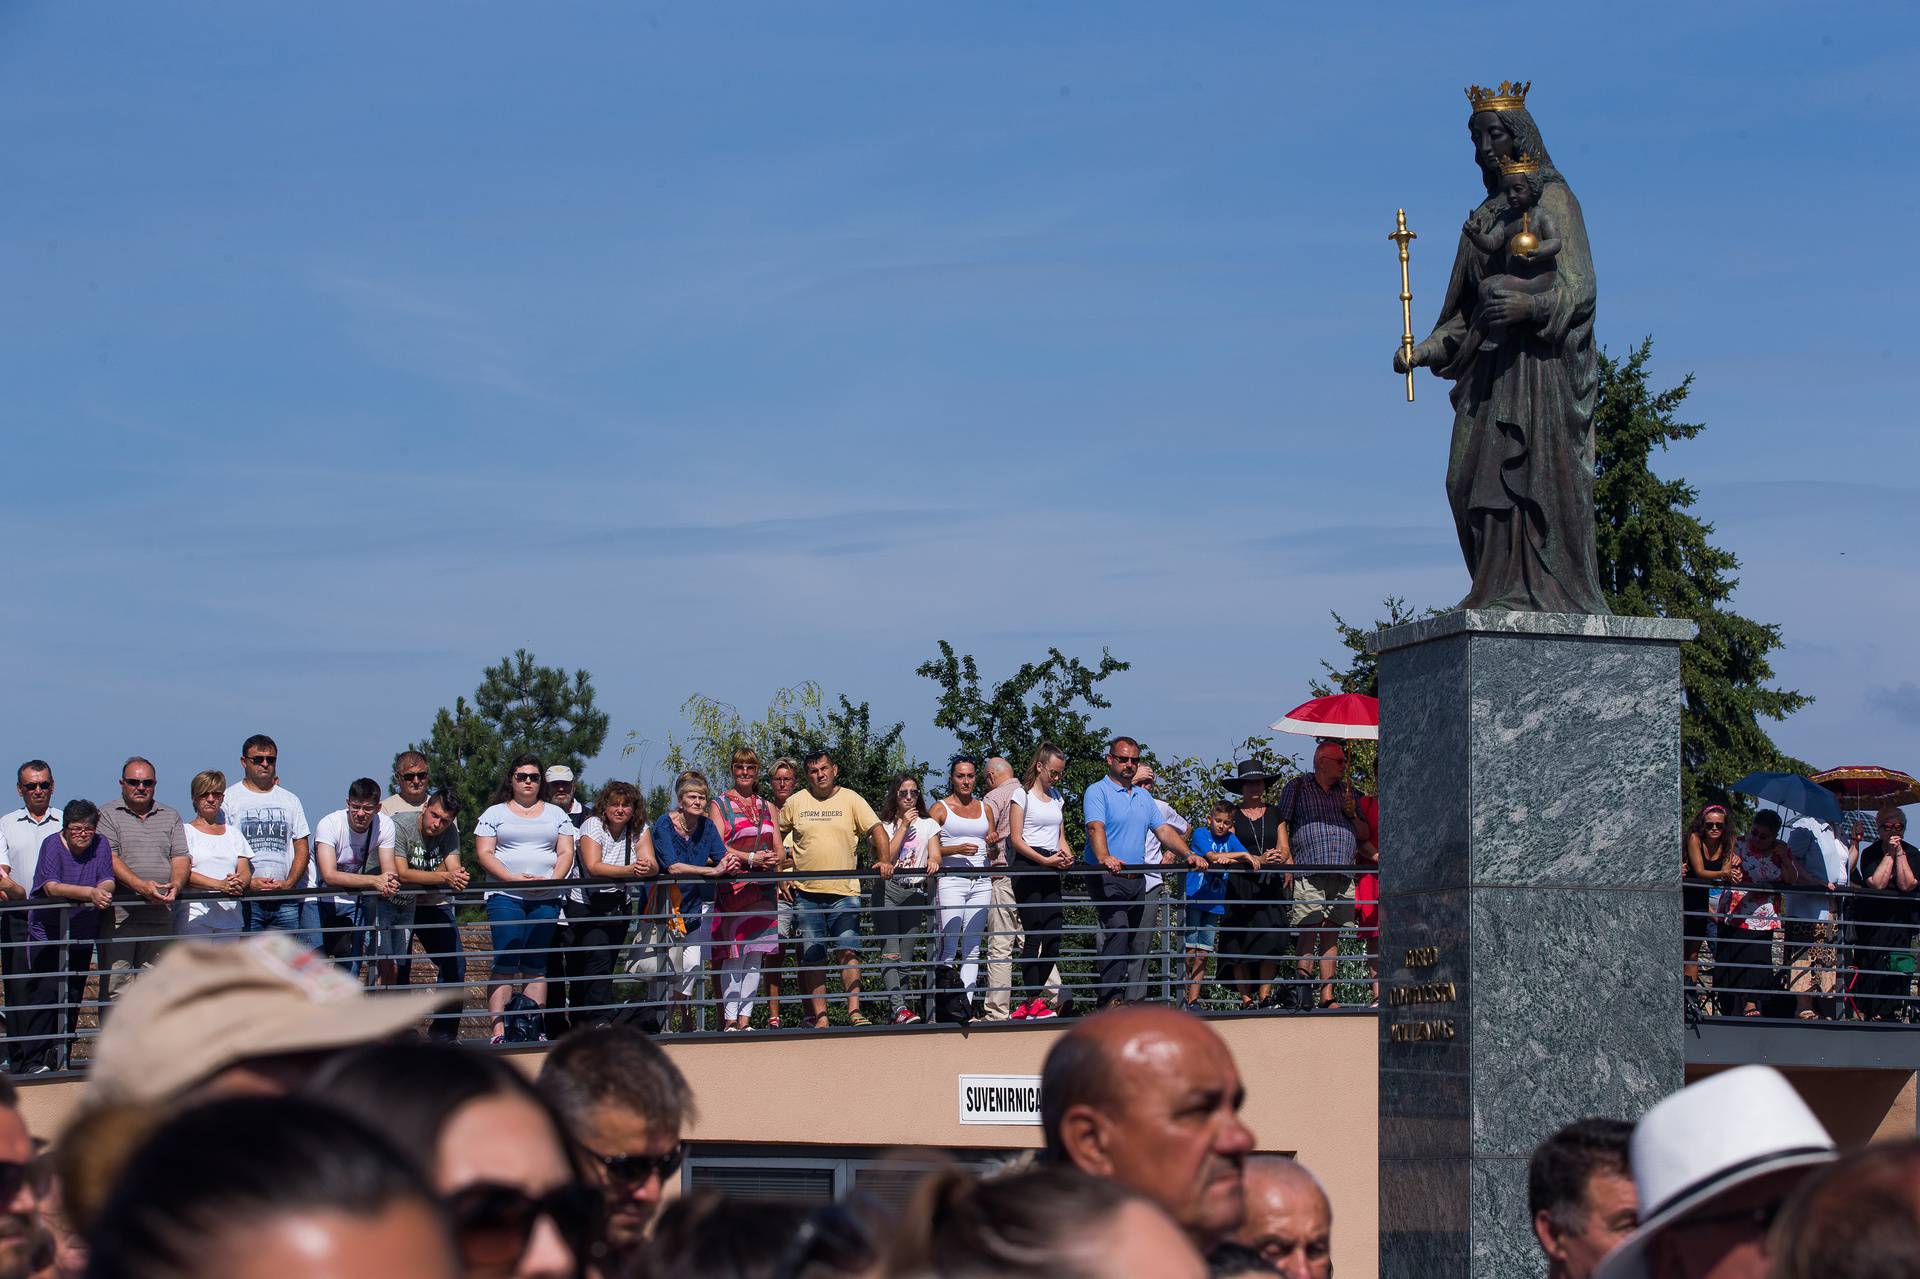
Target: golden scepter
column 1400, row 236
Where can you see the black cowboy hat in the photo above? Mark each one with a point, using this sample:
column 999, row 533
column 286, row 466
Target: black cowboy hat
column 1249, row 770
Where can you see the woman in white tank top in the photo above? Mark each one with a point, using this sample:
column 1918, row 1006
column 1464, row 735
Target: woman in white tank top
column 965, row 830
column 1037, row 837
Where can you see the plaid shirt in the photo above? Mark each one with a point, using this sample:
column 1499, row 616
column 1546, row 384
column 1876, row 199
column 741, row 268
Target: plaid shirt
column 1318, row 830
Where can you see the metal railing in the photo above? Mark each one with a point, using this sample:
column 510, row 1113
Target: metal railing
column 637, row 951
column 1859, row 968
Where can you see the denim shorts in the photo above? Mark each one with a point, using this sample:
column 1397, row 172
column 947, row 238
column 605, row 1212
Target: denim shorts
column 522, row 934
column 1203, row 928
column 823, row 918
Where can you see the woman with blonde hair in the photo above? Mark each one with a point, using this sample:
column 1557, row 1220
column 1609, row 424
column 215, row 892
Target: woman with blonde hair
column 744, row 919
column 689, row 848
column 220, row 861
column 616, row 852
column 1037, row 837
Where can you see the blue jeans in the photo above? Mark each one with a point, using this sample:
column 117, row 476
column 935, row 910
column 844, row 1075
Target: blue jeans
column 824, row 919
column 522, row 935
column 285, row 915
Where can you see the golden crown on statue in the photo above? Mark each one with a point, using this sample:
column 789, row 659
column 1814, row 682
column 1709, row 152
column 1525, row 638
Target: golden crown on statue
column 1510, row 96
column 1520, row 164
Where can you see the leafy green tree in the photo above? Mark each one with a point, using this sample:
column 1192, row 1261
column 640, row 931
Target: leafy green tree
column 519, row 706
column 1051, row 700
column 798, row 721
column 1657, row 560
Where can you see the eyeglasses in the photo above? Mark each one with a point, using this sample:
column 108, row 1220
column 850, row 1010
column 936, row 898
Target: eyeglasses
column 1125, row 759
column 138, row 783
column 526, row 777
column 36, row 785
column 634, row 1170
column 420, row 776
column 492, row 1223
column 263, row 761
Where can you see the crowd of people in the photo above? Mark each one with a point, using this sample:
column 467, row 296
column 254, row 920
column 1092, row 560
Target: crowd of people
column 256, row 1114
column 1802, row 918
column 701, row 903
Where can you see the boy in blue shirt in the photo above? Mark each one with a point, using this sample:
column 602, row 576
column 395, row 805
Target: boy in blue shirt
column 1207, row 892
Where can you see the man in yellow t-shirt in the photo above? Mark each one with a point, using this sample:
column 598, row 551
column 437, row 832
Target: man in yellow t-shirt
column 825, row 822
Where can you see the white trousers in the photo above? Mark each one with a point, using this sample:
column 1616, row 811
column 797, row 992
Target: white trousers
column 740, row 982
column 964, row 902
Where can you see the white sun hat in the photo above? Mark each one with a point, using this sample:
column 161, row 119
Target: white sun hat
column 1722, row 1132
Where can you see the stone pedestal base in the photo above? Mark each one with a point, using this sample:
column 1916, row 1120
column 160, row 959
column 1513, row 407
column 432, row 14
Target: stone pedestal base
column 1530, row 941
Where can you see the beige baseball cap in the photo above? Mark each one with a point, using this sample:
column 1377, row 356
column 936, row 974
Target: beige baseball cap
column 206, row 1005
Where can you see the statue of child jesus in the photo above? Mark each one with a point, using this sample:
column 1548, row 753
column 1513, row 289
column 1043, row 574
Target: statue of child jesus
column 1520, row 242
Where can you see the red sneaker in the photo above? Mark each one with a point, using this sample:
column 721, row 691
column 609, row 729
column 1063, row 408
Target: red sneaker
column 1041, row 1010
column 905, row 1016
column 1023, row 1011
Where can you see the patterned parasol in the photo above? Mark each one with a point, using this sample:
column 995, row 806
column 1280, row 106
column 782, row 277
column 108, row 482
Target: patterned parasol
column 1867, row 786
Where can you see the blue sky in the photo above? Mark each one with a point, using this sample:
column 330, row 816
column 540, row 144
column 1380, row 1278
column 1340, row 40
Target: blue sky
column 714, row 348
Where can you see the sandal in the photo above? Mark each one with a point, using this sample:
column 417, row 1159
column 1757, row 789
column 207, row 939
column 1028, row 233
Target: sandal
column 773, row 1021
column 857, row 1018
column 820, row 1022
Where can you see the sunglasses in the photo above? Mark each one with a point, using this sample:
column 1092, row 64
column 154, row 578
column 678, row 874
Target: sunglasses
column 526, row 777
column 634, row 1170
column 420, row 776
column 138, row 783
column 492, row 1223
column 36, row 785
column 263, row 761
column 1714, row 825
column 36, row 1172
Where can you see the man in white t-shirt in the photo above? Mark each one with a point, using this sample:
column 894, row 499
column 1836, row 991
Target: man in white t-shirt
column 273, row 823
column 21, row 833
column 1156, row 919
column 353, row 848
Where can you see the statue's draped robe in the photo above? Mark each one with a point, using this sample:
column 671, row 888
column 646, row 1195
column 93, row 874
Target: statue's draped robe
column 1520, row 473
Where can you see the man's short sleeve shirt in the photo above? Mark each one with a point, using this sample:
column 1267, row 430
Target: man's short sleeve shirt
column 826, row 836
column 1128, row 815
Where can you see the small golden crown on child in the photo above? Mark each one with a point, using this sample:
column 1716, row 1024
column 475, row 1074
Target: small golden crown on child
column 1522, row 163
column 1510, row 96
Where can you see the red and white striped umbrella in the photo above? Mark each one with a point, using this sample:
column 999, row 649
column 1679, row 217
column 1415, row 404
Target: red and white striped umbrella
column 1352, row 715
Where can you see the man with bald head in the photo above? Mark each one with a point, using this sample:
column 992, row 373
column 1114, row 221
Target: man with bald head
column 1003, row 916
column 1150, row 1098
column 1289, row 1219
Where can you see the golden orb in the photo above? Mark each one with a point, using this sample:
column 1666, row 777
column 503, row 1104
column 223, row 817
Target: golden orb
column 1524, row 244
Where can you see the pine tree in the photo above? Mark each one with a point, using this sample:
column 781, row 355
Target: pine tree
column 1657, row 560
column 520, row 706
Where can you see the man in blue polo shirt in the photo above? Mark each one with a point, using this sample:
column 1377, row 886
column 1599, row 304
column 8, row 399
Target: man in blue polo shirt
column 1120, row 816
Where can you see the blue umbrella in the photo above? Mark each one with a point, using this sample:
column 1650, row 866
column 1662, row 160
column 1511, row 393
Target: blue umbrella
column 1792, row 792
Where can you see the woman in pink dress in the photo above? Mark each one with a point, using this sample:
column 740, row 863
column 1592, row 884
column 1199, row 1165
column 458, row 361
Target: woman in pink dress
column 744, row 920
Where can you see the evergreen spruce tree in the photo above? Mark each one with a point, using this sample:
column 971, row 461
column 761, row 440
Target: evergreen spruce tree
column 1657, row 560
